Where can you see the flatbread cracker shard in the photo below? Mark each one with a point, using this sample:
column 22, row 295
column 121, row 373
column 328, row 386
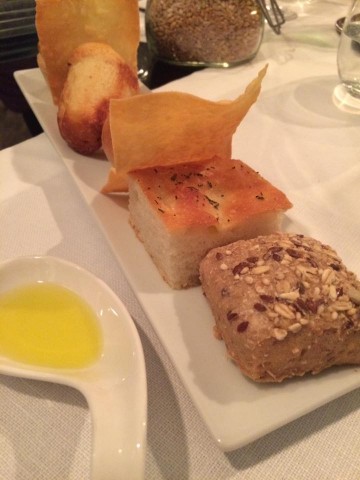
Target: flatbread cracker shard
column 63, row 25
column 167, row 128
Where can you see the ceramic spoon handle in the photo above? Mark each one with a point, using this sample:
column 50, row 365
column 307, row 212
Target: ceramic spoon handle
column 118, row 436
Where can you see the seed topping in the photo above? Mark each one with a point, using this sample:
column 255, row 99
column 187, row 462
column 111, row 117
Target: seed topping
column 260, row 270
column 260, row 307
column 284, row 311
column 242, row 326
column 294, row 286
column 279, row 333
column 231, row 316
column 292, row 296
column 242, row 267
column 267, row 298
column 295, row 327
column 354, row 295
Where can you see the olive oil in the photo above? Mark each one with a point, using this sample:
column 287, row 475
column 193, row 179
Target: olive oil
column 47, row 325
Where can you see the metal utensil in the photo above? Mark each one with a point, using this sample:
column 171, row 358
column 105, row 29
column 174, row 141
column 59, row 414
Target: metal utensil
column 273, row 14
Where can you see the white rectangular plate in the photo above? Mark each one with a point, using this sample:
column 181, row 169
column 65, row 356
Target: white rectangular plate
column 236, row 410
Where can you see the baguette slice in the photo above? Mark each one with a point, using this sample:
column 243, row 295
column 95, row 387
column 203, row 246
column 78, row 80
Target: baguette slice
column 96, row 74
column 181, row 212
column 63, row 25
column 284, row 304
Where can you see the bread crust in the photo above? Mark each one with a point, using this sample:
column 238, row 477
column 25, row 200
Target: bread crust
column 216, row 192
column 284, row 304
column 96, row 74
column 181, row 212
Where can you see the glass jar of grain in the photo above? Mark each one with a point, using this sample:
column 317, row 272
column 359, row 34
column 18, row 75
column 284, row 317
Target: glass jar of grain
column 217, row 33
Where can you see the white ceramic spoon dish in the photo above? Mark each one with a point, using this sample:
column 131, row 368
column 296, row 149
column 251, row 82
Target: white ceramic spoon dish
column 114, row 386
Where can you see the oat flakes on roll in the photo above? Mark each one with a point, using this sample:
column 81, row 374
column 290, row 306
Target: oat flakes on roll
column 284, row 304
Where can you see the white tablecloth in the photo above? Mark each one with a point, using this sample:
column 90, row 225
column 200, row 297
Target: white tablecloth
column 45, row 429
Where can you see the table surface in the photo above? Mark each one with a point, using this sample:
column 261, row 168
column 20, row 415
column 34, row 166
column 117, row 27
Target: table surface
column 45, row 429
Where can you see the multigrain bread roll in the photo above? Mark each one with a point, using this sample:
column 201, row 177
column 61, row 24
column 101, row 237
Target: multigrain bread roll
column 284, row 304
column 96, row 74
column 181, row 212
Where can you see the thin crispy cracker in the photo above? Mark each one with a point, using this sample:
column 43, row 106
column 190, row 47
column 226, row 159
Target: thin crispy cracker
column 62, row 25
column 167, row 128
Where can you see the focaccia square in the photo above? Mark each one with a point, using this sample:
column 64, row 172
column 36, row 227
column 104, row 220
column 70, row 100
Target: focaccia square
column 180, row 212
